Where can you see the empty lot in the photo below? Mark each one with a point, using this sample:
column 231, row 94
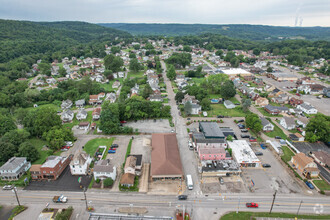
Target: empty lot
column 151, row 126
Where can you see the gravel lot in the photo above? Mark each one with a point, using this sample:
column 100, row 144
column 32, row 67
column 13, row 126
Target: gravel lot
column 141, row 145
column 151, row 126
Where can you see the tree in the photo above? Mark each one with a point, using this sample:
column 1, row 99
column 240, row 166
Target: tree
column 16, row 137
column 228, row 90
column 234, row 62
column 132, row 55
column 57, row 136
column 6, row 124
column 186, row 48
column 256, row 51
column 171, row 74
column 229, row 138
column 26, row 149
column 147, row 91
column 187, row 108
column 134, row 65
column 179, row 96
column 62, row 71
column 109, row 122
column 206, row 104
column 136, row 46
column 219, row 53
column 230, row 55
column 115, row 50
column 269, row 69
column 108, row 182
column 112, row 62
column 7, row 150
column 214, row 82
column 318, row 128
column 44, row 68
column 254, row 122
column 246, row 103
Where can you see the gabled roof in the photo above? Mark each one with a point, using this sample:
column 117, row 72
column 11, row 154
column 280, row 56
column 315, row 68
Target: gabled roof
column 302, row 159
column 323, row 156
column 289, row 121
column 264, row 121
column 127, row 179
column 13, row 163
column 130, row 162
column 103, row 166
column 165, row 156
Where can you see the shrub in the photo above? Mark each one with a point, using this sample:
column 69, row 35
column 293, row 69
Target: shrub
column 97, row 180
column 322, row 192
column 65, row 214
column 108, row 182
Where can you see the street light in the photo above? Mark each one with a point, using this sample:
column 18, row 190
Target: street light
column 14, row 190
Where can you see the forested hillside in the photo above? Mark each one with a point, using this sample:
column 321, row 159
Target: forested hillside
column 18, row 38
column 241, row 31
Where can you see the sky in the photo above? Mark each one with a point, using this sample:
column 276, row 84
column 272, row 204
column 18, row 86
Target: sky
column 266, row 12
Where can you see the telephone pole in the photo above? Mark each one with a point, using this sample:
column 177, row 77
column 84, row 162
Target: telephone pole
column 85, row 198
column 299, row 207
column 15, row 191
column 271, row 208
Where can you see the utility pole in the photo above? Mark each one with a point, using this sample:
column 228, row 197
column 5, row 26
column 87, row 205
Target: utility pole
column 299, row 207
column 85, row 198
column 271, row 208
column 15, row 191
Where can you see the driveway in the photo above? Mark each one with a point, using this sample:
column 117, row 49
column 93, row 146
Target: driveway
column 66, row 182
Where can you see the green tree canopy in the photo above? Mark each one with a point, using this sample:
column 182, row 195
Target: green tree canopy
column 113, row 63
column 26, row 149
column 57, row 136
column 253, row 122
column 318, row 129
column 228, row 90
column 171, row 74
column 134, row 65
column 6, row 124
column 179, row 96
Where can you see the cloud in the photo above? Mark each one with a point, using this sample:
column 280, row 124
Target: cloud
column 270, row 12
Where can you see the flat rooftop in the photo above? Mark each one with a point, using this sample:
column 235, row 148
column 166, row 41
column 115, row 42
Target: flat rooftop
column 235, row 71
column 211, row 130
column 242, row 152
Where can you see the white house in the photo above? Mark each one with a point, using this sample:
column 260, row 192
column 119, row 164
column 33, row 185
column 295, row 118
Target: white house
column 80, row 103
column 103, row 169
column 302, row 121
column 80, row 163
column 308, row 109
column 81, row 115
column 228, row 104
column 288, row 123
column 195, row 109
column 266, row 125
column 67, row 115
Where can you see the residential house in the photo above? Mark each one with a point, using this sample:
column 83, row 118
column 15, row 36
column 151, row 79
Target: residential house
column 258, row 81
column 275, row 110
column 94, row 100
column 66, row 104
column 51, row 169
column 281, row 99
column 253, row 95
column 101, row 95
column 81, row 114
column 135, row 90
column 288, row 123
column 316, row 88
column 305, row 165
column 321, row 157
column 80, row 163
column 248, row 77
column 195, row 109
column 308, row 109
column 294, row 102
column 127, row 180
column 165, row 157
column 302, row 121
column 296, row 137
column 14, row 168
column 267, row 126
column 50, row 80
column 188, row 98
column 155, row 98
column 67, row 115
column 261, row 101
column 116, row 84
column 104, row 169
column 111, row 97
column 275, row 93
column 305, row 88
column 228, row 104
column 84, row 125
column 80, row 103
column 326, row 92
column 138, row 163
column 130, row 165
column 121, row 74
column 96, row 113
column 269, row 88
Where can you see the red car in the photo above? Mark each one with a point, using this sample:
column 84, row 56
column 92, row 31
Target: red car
column 252, row 205
column 123, row 122
column 298, row 94
column 253, row 139
column 65, row 148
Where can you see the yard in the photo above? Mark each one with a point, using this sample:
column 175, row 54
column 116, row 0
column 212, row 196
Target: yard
column 322, row 185
column 276, row 132
column 135, row 75
column 91, row 146
column 76, row 122
column 38, row 143
column 108, row 86
column 197, row 81
column 217, row 96
column 251, row 215
column 287, row 154
column 220, row 109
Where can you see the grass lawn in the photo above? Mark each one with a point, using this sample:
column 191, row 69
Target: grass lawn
column 106, row 151
column 263, row 111
column 250, row 215
column 220, row 109
column 197, row 81
column 287, row 153
column 92, row 145
column 277, row 132
column 322, row 184
column 165, row 100
column 38, row 143
column 136, row 75
column 217, row 96
column 52, row 106
column 259, row 139
column 108, row 86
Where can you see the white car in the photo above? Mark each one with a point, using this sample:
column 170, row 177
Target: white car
column 7, row 187
column 68, row 143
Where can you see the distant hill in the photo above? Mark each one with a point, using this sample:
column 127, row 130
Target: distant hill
column 242, row 31
column 18, row 38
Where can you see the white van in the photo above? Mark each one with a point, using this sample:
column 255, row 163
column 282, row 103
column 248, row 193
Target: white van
column 190, row 183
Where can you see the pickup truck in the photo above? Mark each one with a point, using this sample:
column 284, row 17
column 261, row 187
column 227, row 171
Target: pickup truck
column 60, row 199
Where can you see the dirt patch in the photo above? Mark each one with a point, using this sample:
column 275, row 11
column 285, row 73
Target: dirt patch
column 166, row 187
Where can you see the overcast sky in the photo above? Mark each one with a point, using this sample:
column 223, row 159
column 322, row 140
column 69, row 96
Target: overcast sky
column 268, row 12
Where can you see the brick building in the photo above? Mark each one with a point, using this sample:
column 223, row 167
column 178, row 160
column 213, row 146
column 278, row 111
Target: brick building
column 51, row 169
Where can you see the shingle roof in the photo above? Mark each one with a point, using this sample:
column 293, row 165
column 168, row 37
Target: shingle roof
column 103, row 166
column 13, row 163
column 302, row 159
column 127, row 179
column 264, row 121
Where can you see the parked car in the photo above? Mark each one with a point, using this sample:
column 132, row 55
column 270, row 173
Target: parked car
column 60, row 199
column 244, row 130
column 298, row 94
column 172, row 131
column 114, row 146
column 188, row 119
column 123, row 122
column 245, row 136
column 310, row 185
column 68, row 143
column 7, row 187
column 253, row 139
column 111, row 151
column 220, row 116
column 259, row 153
column 278, row 137
column 252, row 205
column 221, row 180
column 65, row 148
column 182, row 197
column 299, row 129
column 266, row 165
column 241, row 126
column 240, row 121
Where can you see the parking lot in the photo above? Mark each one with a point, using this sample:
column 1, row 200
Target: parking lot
column 266, row 180
column 66, row 182
column 151, row 126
